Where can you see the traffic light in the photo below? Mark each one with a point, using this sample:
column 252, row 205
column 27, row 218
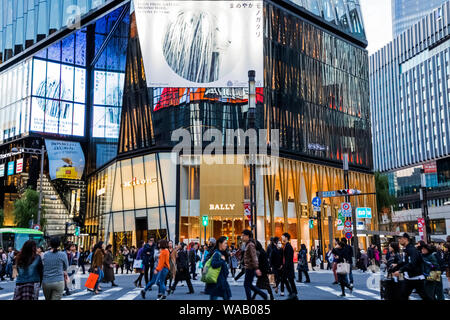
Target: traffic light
column 311, row 223
column 204, row 221
column 77, row 231
column 347, row 192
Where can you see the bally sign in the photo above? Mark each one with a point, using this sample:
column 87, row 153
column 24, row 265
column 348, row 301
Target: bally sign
column 222, row 206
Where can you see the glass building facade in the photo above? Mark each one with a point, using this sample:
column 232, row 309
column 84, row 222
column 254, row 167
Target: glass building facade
column 410, row 94
column 91, row 87
column 405, row 13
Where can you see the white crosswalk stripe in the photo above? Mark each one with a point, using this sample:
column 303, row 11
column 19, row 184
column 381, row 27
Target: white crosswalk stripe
column 4, row 295
column 338, row 293
column 367, row 293
column 104, row 294
column 131, row 295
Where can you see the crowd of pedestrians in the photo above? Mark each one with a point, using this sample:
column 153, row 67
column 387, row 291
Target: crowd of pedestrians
column 408, row 267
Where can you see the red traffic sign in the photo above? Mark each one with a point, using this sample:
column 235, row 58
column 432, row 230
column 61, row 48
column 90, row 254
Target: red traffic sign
column 346, row 206
column 348, row 235
column 348, row 223
column 36, row 227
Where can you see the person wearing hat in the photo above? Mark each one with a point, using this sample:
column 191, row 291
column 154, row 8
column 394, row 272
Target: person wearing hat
column 412, row 268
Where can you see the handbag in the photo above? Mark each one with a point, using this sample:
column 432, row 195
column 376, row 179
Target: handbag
column 137, row 264
column 434, row 276
column 91, row 281
column 210, row 275
column 343, row 268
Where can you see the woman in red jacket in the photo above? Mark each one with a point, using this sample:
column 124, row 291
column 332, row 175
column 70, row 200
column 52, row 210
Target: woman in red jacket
column 161, row 271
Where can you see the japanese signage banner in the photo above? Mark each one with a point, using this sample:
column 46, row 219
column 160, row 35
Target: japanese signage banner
column 66, row 159
column 19, row 165
column 2, row 170
column 201, row 43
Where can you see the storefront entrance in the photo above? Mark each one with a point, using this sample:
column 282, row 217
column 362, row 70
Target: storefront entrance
column 230, row 227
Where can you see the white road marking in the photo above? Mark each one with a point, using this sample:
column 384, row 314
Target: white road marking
column 131, row 295
column 105, row 294
column 366, row 293
column 338, row 293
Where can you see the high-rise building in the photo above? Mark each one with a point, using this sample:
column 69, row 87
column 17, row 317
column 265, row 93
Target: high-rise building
column 139, row 73
column 405, row 13
column 410, row 94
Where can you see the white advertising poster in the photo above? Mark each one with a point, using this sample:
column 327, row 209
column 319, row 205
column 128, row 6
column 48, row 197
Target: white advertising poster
column 2, row 170
column 201, row 43
column 19, row 165
column 66, row 159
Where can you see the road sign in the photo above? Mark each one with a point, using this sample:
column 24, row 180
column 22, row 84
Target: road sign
column 348, row 235
column 247, row 211
column 36, row 227
column 316, row 202
column 340, row 221
column 204, row 221
column 327, row 194
column 364, row 213
column 348, row 229
column 360, row 225
column 348, row 223
column 316, row 209
column 346, row 208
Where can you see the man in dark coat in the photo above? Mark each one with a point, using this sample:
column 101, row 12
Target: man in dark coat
column 148, row 259
column 348, row 255
column 288, row 273
column 193, row 258
column 412, row 267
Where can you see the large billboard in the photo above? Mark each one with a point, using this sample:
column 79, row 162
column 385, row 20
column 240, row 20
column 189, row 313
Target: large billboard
column 66, row 159
column 201, row 43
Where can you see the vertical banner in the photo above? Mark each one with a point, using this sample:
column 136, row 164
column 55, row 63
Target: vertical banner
column 2, row 170
column 201, row 43
column 66, row 159
column 19, row 165
column 420, row 226
column 10, row 168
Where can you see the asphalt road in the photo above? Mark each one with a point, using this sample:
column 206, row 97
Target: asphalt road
column 320, row 288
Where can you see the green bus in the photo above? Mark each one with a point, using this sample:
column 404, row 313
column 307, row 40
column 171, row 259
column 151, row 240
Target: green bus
column 16, row 237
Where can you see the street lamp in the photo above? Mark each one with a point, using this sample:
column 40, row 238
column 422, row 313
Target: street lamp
column 40, row 152
column 251, row 125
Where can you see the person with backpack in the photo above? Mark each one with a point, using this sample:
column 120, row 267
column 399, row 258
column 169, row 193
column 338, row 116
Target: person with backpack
column 262, row 281
column 432, row 272
column 412, row 268
column 219, row 260
column 302, row 263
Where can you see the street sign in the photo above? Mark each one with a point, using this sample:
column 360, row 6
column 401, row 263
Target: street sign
column 364, row 213
column 247, row 211
column 360, row 225
column 316, row 202
column 348, row 229
column 348, row 223
column 346, row 208
column 316, row 209
column 10, row 168
column 348, row 235
column 36, row 227
column 204, row 221
column 327, row 194
column 77, row 231
column 340, row 221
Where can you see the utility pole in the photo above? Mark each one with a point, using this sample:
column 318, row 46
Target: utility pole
column 40, row 187
column 252, row 156
column 424, row 201
column 347, row 199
